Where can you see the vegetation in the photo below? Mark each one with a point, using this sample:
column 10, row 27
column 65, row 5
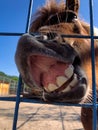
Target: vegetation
column 8, row 77
column 13, row 80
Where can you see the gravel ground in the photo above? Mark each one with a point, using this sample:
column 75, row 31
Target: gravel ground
column 40, row 117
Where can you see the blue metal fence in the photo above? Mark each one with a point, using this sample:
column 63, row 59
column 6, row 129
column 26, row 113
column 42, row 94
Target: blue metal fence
column 19, row 99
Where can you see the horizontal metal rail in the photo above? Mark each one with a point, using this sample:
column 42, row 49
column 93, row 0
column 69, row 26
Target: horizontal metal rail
column 36, row 100
column 62, row 35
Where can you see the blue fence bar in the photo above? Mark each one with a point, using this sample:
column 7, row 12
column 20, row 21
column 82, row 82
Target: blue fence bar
column 10, row 34
column 93, row 66
column 29, row 16
column 19, row 99
column 22, row 99
column 20, row 79
column 17, row 103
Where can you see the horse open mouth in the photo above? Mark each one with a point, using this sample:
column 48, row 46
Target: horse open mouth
column 52, row 67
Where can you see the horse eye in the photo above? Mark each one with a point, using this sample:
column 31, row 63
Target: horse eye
column 71, row 16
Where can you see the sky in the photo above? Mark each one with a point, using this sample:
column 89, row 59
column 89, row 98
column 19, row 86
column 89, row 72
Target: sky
column 13, row 16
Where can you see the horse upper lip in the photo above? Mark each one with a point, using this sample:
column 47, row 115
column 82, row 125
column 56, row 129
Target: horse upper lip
column 63, row 52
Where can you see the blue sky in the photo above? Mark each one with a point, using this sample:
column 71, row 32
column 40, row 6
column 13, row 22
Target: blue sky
column 13, row 14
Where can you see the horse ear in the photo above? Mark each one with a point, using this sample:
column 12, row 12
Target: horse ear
column 73, row 5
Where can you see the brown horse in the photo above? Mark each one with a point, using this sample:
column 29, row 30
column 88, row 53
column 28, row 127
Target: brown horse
column 58, row 68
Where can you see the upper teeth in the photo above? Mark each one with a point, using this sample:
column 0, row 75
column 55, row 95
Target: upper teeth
column 51, row 87
column 60, row 80
column 69, row 71
column 74, row 81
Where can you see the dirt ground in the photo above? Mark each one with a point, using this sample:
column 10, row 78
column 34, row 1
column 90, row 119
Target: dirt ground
column 40, row 117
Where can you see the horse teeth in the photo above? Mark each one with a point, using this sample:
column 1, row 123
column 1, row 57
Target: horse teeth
column 74, row 81
column 60, row 80
column 51, row 87
column 67, row 89
column 47, row 90
column 69, row 71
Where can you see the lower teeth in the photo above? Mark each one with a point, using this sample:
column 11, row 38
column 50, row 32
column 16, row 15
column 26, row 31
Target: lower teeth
column 74, row 81
column 67, row 89
column 72, row 84
column 60, row 80
column 52, row 87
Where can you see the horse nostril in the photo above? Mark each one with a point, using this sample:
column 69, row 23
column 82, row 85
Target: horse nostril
column 51, row 35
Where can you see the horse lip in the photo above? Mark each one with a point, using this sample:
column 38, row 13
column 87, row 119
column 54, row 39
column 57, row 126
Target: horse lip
column 61, row 52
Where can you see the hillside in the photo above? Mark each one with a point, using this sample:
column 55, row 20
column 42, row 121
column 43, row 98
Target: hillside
column 7, row 77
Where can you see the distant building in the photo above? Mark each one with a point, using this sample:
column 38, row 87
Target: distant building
column 8, row 86
column 4, row 88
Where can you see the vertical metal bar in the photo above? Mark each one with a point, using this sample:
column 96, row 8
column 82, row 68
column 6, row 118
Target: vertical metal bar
column 20, row 79
column 17, row 103
column 93, row 67
column 29, row 16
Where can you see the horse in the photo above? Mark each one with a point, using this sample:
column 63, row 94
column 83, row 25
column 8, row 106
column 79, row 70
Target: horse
column 56, row 66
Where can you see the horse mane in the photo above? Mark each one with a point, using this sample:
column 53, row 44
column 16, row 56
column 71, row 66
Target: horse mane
column 50, row 8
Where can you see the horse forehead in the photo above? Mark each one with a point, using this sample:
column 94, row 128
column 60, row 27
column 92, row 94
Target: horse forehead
column 61, row 28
